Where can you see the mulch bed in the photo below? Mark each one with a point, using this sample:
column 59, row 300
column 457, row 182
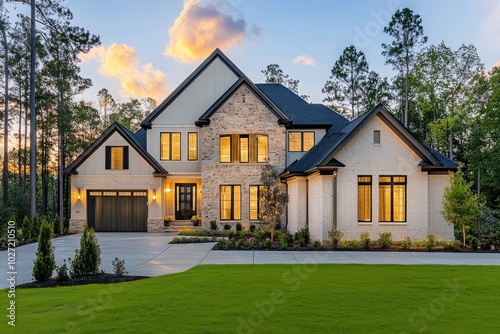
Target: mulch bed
column 102, row 278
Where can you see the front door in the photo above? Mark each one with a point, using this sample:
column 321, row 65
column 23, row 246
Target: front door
column 185, row 201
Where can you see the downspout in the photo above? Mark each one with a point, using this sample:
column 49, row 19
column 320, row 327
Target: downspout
column 307, row 202
column 334, row 201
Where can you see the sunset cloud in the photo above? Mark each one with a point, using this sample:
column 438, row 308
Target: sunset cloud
column 199, row 29
column 305, row 60
column 121, row 61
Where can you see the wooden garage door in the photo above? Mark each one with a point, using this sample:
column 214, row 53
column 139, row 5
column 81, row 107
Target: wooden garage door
column 117, row 211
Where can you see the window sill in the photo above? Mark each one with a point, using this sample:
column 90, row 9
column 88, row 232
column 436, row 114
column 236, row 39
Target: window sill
column 393, row 223
column 365, row 223
column 377, row 145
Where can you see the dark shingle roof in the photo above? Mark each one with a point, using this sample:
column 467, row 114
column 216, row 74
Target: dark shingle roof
column 322, row 154
column 299, row 111
column 141, row 138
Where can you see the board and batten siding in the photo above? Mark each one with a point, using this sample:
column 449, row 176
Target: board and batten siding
column 185, row 110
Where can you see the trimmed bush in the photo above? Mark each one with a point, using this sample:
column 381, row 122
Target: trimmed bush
column 88, row 258
column 406, row 243
column 213, row 225
column 336, row 237
column 56, row 225
column 44, row 263
column 196, row 220
column 431, row 242
column 238, row 227
column 27, row 228
column 252, row 228
column 119, row 268
column 227, row 227
column 385, row 240
column 62, row 272
column 66, row 226
column 303, row 236
column 365, row 240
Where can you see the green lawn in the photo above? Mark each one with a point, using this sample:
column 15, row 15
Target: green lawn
column 273, row 299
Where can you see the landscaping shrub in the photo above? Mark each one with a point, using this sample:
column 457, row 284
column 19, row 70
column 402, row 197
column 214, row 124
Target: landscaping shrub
column 66, row 226
column 35, row 230
column 119, row 268
column 238, row 227
column 62, row 272
column 385, row 240
column 406, row 243
column 27, row 228
column 224, row 244
column 213, row 225
column 454, row 245
column 190, row 240
column 303, row 236
column 336, row 237
column 196, row 220
column 227, row 227
column 252, row 228
column 431, row 242
column 317, row 244
column 44, row 263
column 88, row 258
column 231, row 234
column 56, row 225
column 365, row 240
column 265, row 243
column 348, row 243
column 473, row 242
column 283, row 243
column 167, row 220
column 191, row 232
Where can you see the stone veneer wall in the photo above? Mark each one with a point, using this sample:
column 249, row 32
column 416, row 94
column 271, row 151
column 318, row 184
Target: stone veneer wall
column 242, row 113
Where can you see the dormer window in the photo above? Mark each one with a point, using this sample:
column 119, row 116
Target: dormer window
column 300, row 141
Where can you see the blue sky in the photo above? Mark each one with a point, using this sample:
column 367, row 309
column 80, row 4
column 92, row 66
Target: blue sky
column 255, row 33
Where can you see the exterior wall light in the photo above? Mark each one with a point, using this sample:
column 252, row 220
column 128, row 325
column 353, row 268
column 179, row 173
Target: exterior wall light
column 154, row 195
column 79, row 197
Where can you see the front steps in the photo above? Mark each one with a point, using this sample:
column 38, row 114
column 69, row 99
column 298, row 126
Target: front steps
column 178, row 225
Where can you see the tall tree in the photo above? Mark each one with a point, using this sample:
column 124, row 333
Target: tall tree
column 344, row 90
column 408, row 34
column 107, row 105
column 5, row 176
column 274, row 74
column 32, row 112
column 375, row 90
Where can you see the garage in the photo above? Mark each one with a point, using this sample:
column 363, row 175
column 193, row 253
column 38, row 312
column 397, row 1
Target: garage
column 117, row 211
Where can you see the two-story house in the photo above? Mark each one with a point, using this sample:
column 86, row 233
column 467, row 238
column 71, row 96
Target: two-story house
column 200, row 152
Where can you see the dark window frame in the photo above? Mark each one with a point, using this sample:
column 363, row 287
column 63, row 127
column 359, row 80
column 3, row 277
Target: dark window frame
column 170, row 146
column 392, row 183
column 108, row 158
column 232, row 217
column 301, row 140
column 370, row 183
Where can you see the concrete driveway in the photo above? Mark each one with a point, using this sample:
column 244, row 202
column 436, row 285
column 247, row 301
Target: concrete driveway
column 150, row 254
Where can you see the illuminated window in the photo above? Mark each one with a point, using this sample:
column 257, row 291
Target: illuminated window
column 244, row 148
column 364, row 198
column 392, row 198
column 255, row 194
column 192, row 146
column 230, row 202
column 170, row 146
column 262, row 154
column 116, row 157
column 300, row 141
column 225, row 149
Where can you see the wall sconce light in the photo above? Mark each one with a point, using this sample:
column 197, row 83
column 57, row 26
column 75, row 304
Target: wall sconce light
column 168, row 190
column 154, row 195
column 79, row 194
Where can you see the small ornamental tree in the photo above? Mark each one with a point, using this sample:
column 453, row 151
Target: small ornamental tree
column 56, row 225
column 460, row 205
column 44, row 263
column 87, row 259
column 272, row 199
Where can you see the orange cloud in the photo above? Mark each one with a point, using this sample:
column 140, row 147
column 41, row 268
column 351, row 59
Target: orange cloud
column 198, row 30
column 121, row 61
column 305, row 60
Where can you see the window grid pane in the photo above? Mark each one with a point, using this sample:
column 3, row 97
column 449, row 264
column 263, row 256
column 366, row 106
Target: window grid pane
column 225, row 148
column 165, row 146
column 116, row 157
column 225, row 202
column 244, row 151
column 237, row 202
column 364, row 198
column 254, row 202
column 192, row 146
column 308, row 141
column 262, row 154
column 294, row 141
column 176, row 146
column 385, row 203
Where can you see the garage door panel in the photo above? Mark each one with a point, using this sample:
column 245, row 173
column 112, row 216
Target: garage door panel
column 123, row 211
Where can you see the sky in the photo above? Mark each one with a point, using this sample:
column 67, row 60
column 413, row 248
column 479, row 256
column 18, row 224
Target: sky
column 150, row 46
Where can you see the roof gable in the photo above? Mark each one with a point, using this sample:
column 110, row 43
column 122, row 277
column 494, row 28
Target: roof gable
column 217, row 54
column 324, row 152
column 128, row 136
column 205, row 118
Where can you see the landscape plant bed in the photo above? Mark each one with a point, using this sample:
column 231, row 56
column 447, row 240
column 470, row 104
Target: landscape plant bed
column 102, row 278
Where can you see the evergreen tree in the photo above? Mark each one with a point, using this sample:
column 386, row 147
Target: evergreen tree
column 44, row 263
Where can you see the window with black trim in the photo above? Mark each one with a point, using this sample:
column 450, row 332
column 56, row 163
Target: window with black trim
column 300, row 141
column 230, row 202
column 116, row 157
column 376, row 137
column 392, row 198
column 244, row 148
column 255, row 194
column 365, row 198
column 192, row 146
column 170, row 146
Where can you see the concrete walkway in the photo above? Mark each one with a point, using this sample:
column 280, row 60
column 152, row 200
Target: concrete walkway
column 150, row 254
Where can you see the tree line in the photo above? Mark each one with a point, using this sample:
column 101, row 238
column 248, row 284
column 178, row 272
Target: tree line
column 444, row 96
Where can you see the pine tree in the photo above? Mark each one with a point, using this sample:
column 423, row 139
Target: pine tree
column 45, row 263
